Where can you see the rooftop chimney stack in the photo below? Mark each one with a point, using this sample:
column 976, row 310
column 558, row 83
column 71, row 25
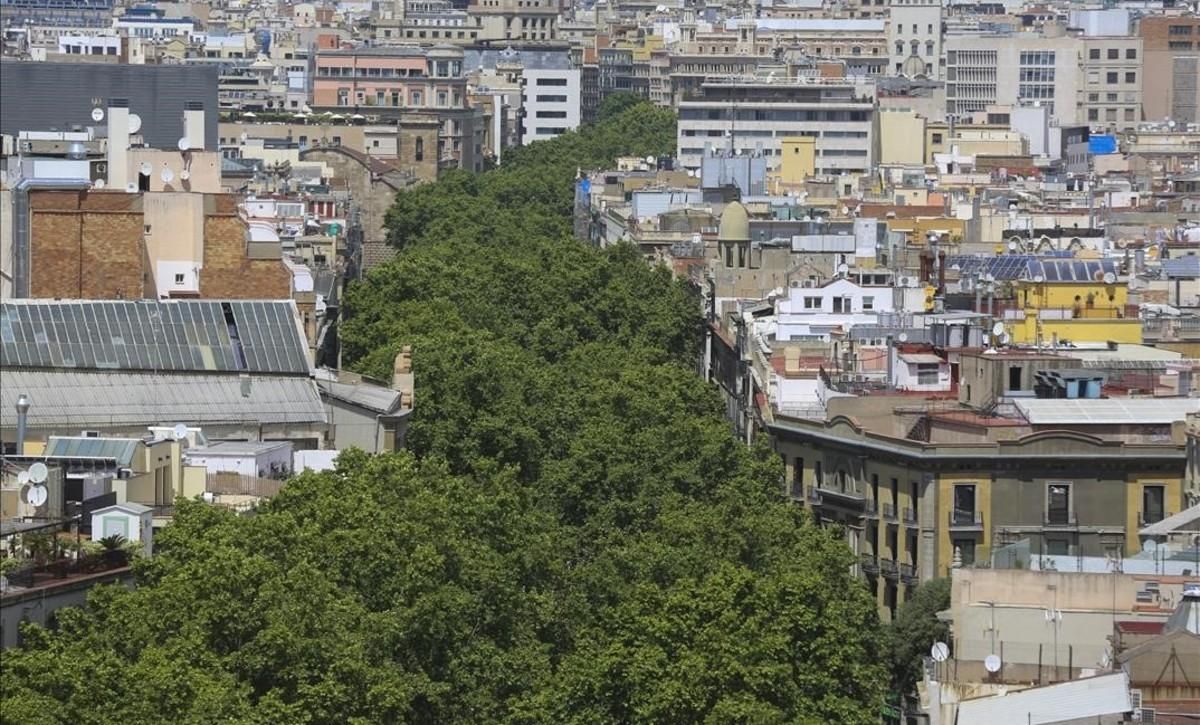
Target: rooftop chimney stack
column 118, row 143
column 193, row 125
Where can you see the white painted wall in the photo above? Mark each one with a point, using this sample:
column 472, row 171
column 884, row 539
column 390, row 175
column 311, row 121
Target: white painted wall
column 540, row 100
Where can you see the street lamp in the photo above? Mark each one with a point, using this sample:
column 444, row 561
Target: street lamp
column 23, row 403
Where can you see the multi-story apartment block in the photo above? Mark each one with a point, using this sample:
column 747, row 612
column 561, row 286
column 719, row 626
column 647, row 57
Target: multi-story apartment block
column 550, row 100
column 1171, row 76
column 749, row 115
column 515, row 19
column 426, row 21
column 1012, row 69
column 1111, row 84
column 915, row 39
column 403, row 85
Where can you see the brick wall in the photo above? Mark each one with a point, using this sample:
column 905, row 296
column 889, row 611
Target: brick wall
column 87, row 245
column 228, row 274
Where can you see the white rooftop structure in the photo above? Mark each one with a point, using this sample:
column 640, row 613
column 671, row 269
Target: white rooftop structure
column 1106, row 411
column 1093, row 697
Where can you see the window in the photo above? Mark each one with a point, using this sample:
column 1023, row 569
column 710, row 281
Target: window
column 1058, row 547
column 1180, row 45
column 419, row 149
column 1131, row 54
column 551, row 99
column 1094, row 54
column 817, row 474
column 1179, row 30
column 1014, row 377
column 551, row 114
column 927, row 373
column 964, row 504
column 1058, row 503
column 868, row 303
column 1131, row 77
column 798, row 478
column 1111, row 77
column 1093, row 114
column 841, row 305
column 812, row 303
column 1110, row 114
column 551, row 81
column 1130, row 114
column 1093, row 97
column 936, row 138
column 965, row 548
column 1114, row 54
column 1152, row 505
column 178, row 279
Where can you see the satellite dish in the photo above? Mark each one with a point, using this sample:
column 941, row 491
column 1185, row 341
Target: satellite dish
column 23, row 478
column 1109, row 278
column 180, row 431
column 36, row 496
column 1012, row 246
column 1005, row 339
column 38, row 472
column 940, row 652
column 185, row 175
column 845, row 210
column 1038, row 278
column 131, row 188
column 183, row 144
column 166, row 175
column 98, row 184
column 145, row 168
column 991, row 663
column 97, row 114
column 902, row 337
column 843, row 268
column 998, row 329
column 649, row 159
column 135, row 123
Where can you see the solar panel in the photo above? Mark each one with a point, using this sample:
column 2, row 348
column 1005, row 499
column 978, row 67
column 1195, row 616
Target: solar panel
column 175, row 335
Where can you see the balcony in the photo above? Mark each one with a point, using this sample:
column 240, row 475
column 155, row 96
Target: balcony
column 871, row 509
column 1060, row 520
column 869, row 564
column 910, row 517
column 908, row 573
column 889, row 512
column 889, row 568
column 966, row 520
column 844, row 495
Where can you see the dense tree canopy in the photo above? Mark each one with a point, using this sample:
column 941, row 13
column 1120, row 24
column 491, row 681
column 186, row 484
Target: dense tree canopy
column 574, row 536
column 915, row 629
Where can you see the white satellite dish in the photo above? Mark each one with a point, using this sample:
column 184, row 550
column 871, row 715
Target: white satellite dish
column 145, row 168
column 36, row 496
column 22, row 478
column 991, row 663
column 183, row 144
column 166, row 175
column 940, row 652
column 1012, row 246
column 97, row 114
column 1038, row 278
column 1109, row 278
column 185, row 175
column 902, row 337
column 98, row 184
column 131, row 188
column 649, row 159
column 135, row 123
column 998, row 329
column 180, row 431
column 843, row 268
column 38, row 472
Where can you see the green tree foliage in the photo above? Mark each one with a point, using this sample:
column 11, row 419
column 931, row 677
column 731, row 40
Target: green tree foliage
column 574, row 535
column 614, row 104
column 914, row 631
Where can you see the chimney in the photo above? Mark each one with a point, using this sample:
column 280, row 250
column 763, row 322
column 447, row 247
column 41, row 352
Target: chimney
column 193, row 125
column 118, row 143
column 22, row 421
column 402, row 376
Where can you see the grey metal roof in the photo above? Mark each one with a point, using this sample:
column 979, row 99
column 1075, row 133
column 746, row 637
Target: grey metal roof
column 120, row 450
column 68, row 398
column 238, row 448
column 1187, row 267
column 372, row 397
column 60, row 95
column 178, row 335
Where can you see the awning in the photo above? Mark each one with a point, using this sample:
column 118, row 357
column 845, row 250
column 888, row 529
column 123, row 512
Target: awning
column 921, row 358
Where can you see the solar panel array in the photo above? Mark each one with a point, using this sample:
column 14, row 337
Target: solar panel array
column 1003, row 267
column 177, row 335
column 1072, row 270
